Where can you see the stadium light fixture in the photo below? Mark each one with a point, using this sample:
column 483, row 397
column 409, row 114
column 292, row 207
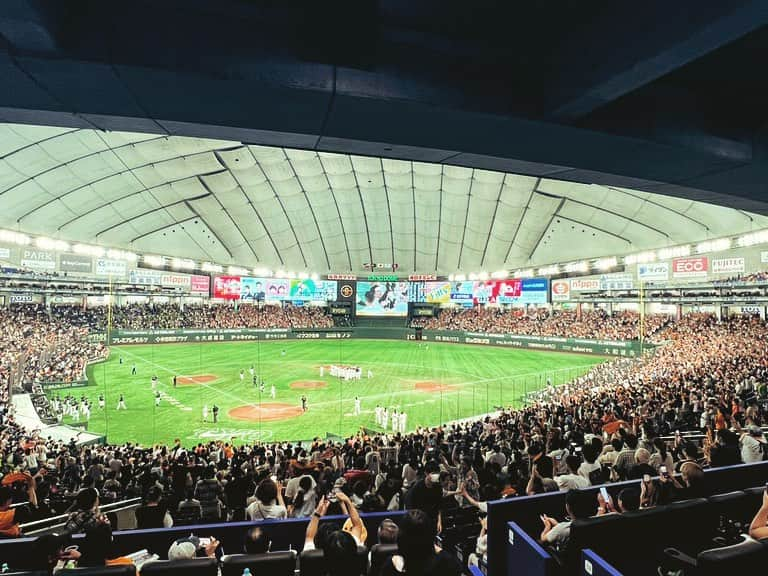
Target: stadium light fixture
column 526, row 273
column 482, row 275
column 472, row 276
column 549, row 270
column 156, row 261
column 674, row 252
column 643, row 257
column 577, row 267
column 753, row 238
column 51, row 244
column 314, row 277
column 87, row 250
column 237, row 271
column 713, row 245
column 14, row 237
column 211, row 267
column 450, row 278
column 303, row 275
column 606, row 263
column 460, row 277
column 280, row 273
column 500, row 275
column 122, row 255
column 182, row 264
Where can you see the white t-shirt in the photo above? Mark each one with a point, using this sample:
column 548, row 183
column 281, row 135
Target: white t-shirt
column 751, row 449
column 586, row 469
column 571, row 482
column 259, row 511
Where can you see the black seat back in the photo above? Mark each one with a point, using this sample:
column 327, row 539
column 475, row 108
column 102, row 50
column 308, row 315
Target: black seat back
column 191, row 567
column 690, row 525
column 122, row 570
column 603, row 534
column 312, row 562
column 272, row 563
column 380, row 553
column 748, row 557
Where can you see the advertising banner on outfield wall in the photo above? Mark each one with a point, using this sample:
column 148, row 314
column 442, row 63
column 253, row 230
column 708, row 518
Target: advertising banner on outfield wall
column 42, row 260
column 561, row 290
column 580, row 345
column 653, row 272
column 109, row 267
column 5, row 253
column 690, row 267
column 727, row 265
column 76, row 263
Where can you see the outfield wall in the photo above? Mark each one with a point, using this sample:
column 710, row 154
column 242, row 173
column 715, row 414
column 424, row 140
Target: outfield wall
column 628, row 348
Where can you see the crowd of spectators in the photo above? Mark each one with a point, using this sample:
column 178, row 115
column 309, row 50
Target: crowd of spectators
column 168, row 316
column 595, row 324
column 625, row 419
column 41, row 347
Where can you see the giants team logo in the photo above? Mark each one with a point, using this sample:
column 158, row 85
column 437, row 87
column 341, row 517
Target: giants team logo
column 346, row 291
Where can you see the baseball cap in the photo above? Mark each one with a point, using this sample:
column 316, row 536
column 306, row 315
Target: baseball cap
column 184, row 548
column 754, row 430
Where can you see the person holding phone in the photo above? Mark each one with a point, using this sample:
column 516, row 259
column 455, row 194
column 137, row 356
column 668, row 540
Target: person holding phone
column 578, row 505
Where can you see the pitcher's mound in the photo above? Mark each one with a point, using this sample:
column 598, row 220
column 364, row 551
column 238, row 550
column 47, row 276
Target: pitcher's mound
column 308, row 384
column 431, row 386
column 196, row 379
column 267, row 412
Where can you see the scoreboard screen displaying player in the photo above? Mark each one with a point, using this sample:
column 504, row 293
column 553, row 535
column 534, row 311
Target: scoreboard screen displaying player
column 382, row 298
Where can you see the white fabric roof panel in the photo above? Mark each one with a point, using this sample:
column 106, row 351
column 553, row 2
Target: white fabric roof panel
column 260, row 206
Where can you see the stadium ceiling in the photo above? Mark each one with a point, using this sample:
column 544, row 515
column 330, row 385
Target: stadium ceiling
column 282, row 208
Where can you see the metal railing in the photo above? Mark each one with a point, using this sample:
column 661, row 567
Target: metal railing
column 55, row 523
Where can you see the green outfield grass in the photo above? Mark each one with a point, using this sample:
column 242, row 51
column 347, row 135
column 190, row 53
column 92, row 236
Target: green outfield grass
column 433, row 383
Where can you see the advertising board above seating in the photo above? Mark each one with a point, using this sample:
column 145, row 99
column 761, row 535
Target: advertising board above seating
column 653, row 272
column 110, row 267
column 690, row 267
column 43, row 260
column 561, row 290
column 199, row 284
column 591, row 284
column 728, row 265
column 226, row 287
column 81, row 263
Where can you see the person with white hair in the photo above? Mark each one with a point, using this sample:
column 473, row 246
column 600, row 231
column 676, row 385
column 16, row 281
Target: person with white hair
column 186, row 548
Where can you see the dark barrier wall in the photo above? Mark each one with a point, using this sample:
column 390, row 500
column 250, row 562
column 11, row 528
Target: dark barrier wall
column 285, row 534
column 628, row 348
column 525, row 510
column 525, row 555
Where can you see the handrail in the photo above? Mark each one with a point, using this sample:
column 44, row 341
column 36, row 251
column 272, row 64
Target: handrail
column 54, row 521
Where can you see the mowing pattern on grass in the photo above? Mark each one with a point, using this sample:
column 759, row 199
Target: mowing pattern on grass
column 432, row 385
